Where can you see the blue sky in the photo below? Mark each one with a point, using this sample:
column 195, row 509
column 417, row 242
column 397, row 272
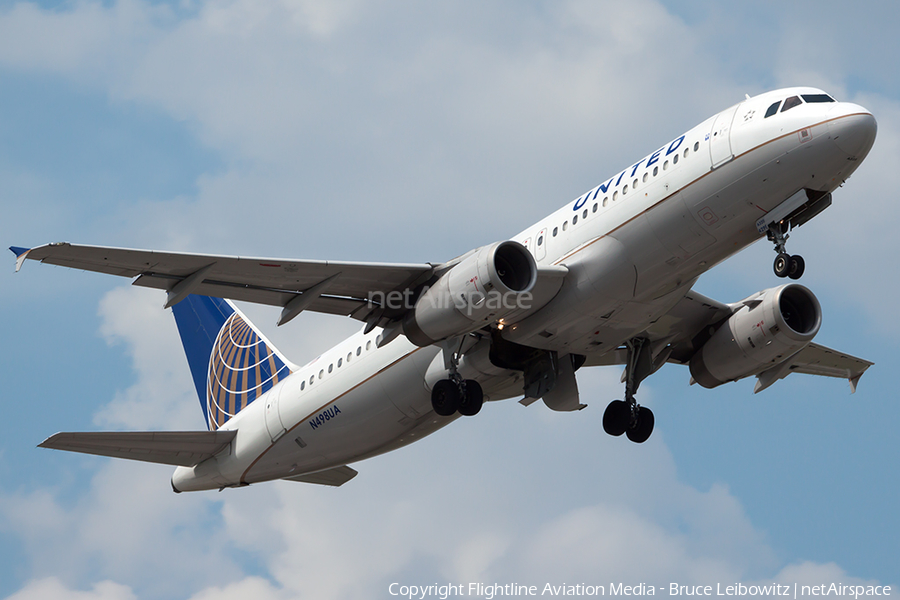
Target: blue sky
column 414, row 132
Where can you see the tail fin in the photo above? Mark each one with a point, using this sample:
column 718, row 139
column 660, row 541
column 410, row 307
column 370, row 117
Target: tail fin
column 232, row 363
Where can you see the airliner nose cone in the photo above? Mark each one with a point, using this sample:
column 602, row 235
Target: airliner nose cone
column 854, row 134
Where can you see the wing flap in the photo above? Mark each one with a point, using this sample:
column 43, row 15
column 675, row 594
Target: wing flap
column 332, row 305
column 335, row 477
column 177, row 448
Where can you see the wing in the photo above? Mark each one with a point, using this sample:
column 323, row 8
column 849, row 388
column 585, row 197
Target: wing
column 678, row 334
column 178, row 448
column 341, row 288
column 673, row 334
column 818, row 360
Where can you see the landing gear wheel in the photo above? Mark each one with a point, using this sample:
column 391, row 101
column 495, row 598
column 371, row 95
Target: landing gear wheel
column 782, row 264
column 643, row 427
column 617, row 417
column 445, row 397
column 472, row 398
column 796, row 267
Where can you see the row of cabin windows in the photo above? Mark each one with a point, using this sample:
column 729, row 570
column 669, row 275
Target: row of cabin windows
column 615, row 195
column 340, row 363
column 794, row 101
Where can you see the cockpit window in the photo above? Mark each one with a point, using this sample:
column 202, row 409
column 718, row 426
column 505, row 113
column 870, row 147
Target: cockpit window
column 791, row 103
column 773, row 109
column 812, row 98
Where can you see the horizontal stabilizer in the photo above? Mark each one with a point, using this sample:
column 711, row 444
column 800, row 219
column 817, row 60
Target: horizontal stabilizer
column 178, row 448
column 337, row 476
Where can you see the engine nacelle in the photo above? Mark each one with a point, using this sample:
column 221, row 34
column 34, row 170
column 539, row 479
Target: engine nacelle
column 490, row 283
column 772, row 326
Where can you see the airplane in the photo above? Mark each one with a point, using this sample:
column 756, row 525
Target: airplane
column 605, row 280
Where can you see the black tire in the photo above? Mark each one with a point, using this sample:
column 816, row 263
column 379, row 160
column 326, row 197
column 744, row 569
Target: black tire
column 797, row 266
column 641, row 431
column 616, row 417
column 472, row 399
column 782, row 265
column 445, row 398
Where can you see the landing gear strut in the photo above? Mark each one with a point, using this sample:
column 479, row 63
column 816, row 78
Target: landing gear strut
column 785, row 264
column 456, row 394
column 627, row 416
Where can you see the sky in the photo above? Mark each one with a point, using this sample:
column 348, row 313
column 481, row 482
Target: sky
column 413, row 132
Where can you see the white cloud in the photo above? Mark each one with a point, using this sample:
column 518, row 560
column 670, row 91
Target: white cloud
column 51, row 587
column 164, row 396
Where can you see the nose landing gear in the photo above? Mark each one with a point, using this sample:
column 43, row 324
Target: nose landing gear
column 785, row 265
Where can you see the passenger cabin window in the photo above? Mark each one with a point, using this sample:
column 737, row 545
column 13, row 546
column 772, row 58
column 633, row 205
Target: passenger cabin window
column 791, row 103
column 772, row 109
column 574, row 220
column 815, row 98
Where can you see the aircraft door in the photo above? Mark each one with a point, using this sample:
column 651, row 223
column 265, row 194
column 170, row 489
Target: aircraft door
column 720, row 137
column 273, row 417
column 540, row 245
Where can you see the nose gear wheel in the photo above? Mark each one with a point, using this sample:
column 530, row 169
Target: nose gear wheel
column 785, row 265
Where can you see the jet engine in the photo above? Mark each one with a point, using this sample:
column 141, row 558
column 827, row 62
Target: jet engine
column 768, row 329
column 488, row 284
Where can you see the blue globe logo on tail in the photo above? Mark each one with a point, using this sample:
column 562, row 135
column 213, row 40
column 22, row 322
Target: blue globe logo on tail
column 231, row 362
column 242, row 368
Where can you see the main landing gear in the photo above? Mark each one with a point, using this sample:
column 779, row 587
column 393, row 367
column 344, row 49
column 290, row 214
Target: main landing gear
column 627, row 416
column 785, row 264
column 456, row 394
column 451, row 395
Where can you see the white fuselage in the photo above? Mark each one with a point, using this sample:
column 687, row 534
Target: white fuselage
column 633, row 246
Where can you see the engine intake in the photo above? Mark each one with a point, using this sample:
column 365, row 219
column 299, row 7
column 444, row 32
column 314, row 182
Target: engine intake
column 485, row 286
column 772, row 326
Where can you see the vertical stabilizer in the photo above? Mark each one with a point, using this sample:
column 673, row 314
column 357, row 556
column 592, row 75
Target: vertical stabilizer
column 231, row 362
